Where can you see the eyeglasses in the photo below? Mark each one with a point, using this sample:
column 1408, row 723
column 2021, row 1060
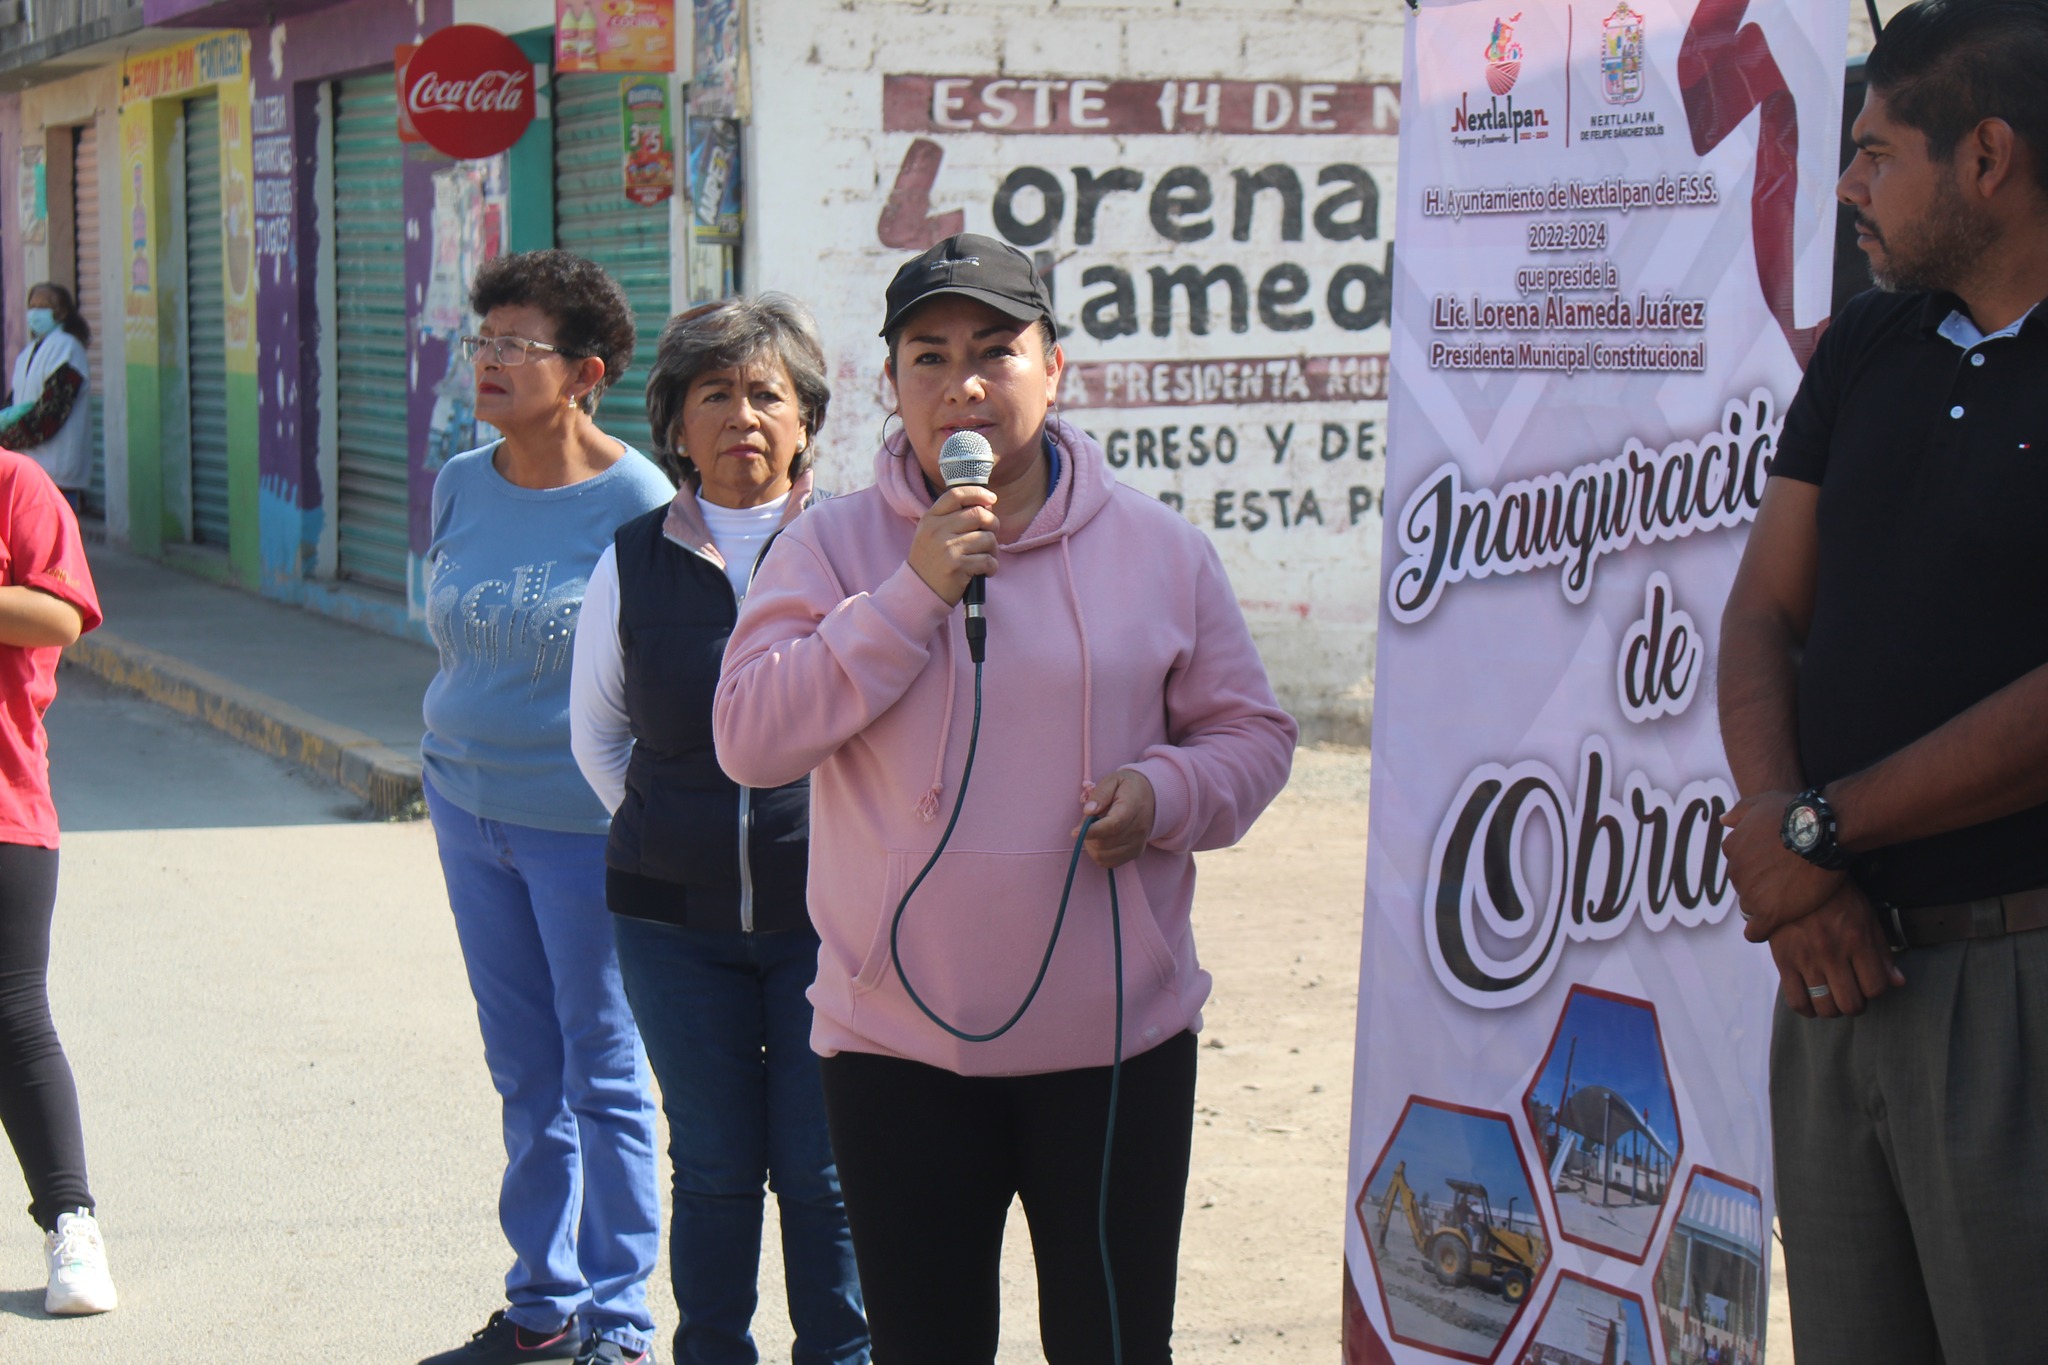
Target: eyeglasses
column 506, row 351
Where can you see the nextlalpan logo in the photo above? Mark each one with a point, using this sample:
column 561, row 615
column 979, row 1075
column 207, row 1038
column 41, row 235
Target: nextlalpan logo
column 1500, row 119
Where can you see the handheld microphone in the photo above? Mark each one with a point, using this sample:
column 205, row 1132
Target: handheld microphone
column 967, row 458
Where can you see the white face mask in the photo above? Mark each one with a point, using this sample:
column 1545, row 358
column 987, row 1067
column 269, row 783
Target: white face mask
column 41, row 321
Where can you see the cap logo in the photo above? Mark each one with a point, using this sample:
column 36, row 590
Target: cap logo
column 937, row 266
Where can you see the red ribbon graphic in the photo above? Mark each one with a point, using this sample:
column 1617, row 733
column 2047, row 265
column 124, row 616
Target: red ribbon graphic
column 1725, row 69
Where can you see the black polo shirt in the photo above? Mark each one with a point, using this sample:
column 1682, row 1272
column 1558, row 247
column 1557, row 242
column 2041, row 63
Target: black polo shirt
column 1932, row 590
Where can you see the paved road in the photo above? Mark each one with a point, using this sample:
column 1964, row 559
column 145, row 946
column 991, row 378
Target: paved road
column 291, row 1133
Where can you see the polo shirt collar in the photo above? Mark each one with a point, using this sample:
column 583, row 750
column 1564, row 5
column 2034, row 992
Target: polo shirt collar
column 1944, row 315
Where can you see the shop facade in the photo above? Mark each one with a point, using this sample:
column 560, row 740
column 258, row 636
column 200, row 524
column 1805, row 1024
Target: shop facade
column 361, row 246
column 60, row 186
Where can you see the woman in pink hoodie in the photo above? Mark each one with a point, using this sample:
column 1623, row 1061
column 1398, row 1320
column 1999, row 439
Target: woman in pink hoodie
column 1120, row 684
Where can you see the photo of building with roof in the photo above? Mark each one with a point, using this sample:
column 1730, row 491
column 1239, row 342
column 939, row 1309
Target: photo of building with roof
column 1710, row 1283
column 1606, row 1119
column 1588, row 1323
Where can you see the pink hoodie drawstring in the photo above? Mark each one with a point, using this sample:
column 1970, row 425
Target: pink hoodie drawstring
column 928, row 807
column 1087, row 672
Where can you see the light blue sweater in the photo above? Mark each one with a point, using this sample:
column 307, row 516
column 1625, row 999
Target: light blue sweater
column 506, row 571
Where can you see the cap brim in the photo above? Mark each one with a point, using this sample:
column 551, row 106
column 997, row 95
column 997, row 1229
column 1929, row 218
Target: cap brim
column 1008, row 307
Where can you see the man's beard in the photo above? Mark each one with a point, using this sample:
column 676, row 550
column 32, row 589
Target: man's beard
column 1938, row 251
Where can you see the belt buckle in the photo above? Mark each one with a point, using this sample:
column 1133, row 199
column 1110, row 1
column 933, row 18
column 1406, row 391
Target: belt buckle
column 1894, row 927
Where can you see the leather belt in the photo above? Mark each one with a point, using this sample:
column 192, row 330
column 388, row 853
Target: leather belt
column 2014, row 913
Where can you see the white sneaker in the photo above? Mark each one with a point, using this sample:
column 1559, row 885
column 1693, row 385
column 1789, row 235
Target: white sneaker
column 79, row 1282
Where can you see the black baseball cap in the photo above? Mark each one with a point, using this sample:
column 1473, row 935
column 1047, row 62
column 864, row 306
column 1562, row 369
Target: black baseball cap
column 975, row 267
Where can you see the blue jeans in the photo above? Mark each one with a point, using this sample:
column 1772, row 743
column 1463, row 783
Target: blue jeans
column 579, row 1203
column 728, row 1030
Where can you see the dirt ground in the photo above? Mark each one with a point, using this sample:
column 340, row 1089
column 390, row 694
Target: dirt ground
column 1277, row 920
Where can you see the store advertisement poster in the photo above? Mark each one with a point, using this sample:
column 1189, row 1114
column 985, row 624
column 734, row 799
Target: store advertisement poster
column 615, row 35
column 717, row 198
column 649, row 146
column 1616, row 222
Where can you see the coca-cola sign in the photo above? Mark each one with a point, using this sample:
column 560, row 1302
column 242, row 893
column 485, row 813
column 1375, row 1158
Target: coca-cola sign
column 469, row 91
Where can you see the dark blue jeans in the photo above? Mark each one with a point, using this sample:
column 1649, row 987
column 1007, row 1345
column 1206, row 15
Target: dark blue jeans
column 728, row 1032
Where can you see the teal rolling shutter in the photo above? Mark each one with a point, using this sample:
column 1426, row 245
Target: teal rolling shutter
column 206, row 322
column 369, row 331
column 594, row 218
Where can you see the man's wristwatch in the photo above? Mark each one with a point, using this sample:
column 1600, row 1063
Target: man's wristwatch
column 1809, row 830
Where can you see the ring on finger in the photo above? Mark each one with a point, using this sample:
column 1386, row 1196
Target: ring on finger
column 1820, row 992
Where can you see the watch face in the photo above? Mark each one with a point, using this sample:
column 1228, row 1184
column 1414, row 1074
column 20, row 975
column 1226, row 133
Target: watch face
column 1802, row 828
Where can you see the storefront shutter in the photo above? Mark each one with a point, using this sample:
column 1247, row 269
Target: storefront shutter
column 594, row 218
column 371, row 499
column 85, row 202
column 206, row 322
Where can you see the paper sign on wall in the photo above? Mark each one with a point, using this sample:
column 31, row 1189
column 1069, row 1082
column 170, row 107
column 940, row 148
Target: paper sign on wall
column 650, row 151
column 716, row 197
column 615, row 35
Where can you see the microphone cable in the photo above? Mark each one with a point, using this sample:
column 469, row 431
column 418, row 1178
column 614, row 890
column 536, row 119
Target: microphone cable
column 1116, row 931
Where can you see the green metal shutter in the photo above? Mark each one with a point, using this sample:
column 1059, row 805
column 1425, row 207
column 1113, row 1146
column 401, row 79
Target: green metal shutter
column 371, row 498
column 85, row 203
column 594, row 218
column 206, row 322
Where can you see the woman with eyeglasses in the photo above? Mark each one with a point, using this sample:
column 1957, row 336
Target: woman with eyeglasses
column 517, row 527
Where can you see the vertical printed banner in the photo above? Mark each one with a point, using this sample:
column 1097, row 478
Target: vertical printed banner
column 1616, row 220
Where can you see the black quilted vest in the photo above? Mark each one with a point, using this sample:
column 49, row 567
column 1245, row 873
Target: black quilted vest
column 682, row 818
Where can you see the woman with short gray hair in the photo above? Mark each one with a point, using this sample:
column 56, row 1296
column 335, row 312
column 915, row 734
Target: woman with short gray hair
column 706, row 878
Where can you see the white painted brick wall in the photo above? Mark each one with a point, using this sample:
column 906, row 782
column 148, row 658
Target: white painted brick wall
column 823, row 166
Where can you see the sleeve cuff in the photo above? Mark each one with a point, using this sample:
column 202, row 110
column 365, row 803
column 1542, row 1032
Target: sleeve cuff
column 1172, row 798
column 908, row 603
column 66, row 589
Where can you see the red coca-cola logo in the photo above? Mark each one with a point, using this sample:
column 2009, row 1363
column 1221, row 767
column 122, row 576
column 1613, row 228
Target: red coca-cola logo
column 469, row 91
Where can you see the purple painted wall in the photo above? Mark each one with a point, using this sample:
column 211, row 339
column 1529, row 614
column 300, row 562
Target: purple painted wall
column 250, row 14
column 343, row 40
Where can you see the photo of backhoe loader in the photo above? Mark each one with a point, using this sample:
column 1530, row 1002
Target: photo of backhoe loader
column 1468, row 1245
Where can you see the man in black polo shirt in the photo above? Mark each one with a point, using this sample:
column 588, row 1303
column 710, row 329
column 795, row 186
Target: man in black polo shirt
column 1884, row 703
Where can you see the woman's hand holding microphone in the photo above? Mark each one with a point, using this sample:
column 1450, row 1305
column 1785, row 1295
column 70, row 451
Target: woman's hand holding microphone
column 956, row 541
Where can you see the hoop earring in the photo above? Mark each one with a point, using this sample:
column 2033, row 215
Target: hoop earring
column 897, row 417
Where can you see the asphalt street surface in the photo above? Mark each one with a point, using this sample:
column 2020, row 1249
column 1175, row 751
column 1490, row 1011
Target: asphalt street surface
column 291, row 1134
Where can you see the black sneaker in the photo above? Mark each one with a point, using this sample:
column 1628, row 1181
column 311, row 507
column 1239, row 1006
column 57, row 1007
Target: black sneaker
column 502, row 1341
column 605, row 1351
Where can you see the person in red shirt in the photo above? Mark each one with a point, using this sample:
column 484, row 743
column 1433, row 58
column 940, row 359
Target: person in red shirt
column 46, row 602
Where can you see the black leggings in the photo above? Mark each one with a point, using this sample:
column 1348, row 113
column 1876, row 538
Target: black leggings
column 38, row 1101
column 929, row 1160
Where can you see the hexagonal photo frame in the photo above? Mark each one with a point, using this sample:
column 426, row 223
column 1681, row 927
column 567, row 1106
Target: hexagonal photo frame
column 1589, row 1323
column 1605, row 1117
column 1457, row 1235
column 1714, row 1274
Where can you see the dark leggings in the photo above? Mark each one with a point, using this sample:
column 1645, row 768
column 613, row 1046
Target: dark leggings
column 38, row 1101
column 929, row 1160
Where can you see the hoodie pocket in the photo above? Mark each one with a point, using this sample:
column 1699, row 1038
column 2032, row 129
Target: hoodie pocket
column 975, row 933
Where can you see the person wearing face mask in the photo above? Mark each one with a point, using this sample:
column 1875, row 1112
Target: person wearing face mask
column 49, row 418
column 517, row 527
column 705, row 877
column 1121, row 684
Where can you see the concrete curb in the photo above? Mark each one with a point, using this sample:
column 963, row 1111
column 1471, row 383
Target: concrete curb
column 386, row 778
